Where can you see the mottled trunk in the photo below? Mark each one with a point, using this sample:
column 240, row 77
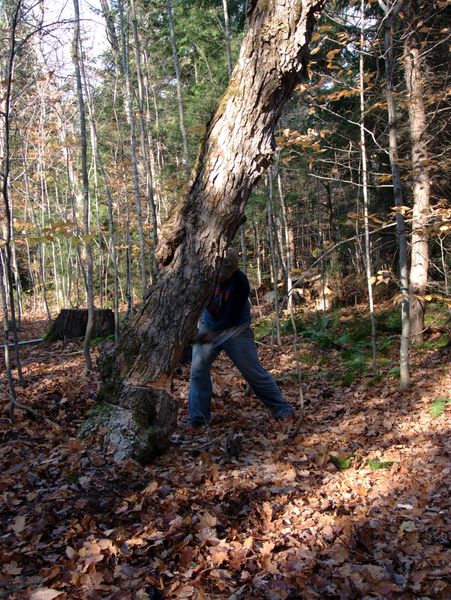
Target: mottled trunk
column 421, row 185
column 133, row 149
column 391, row 11
column 86, row 197
column 368, row 265
column 236, row 151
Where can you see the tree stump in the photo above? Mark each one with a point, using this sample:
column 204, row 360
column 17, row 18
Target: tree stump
column 71, row 323
column 139, row 427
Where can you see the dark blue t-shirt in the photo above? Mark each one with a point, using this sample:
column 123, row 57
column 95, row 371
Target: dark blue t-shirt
column 228, row 306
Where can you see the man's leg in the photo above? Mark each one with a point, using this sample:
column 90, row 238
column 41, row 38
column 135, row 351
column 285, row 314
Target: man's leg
column 200, row 384
column 243, row 353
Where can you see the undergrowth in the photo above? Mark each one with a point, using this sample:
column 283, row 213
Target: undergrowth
column 346, row 334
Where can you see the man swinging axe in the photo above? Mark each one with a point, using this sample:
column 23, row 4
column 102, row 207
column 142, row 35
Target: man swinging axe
column 225, row 325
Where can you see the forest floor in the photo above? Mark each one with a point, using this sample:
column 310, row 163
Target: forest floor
column 355, row 506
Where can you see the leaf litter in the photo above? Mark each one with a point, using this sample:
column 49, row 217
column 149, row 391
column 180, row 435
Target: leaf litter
column 355, row 506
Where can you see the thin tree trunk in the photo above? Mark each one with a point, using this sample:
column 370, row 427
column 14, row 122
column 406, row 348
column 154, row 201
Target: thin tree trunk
column 112, row 240
column 365, row 187
column 86, row 199
column 9, row 373
column 5, row 176
column 272, row 234
column 145, row 149
column 320, row 241
column 134, row 157
column 257, row 254
column 225, row 9
column 179, row 88
column 391, row 11
column 288, row 256
column 421, row 183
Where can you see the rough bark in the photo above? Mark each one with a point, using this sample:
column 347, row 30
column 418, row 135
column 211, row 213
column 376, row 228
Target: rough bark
column 71, row 323
column 236, row 151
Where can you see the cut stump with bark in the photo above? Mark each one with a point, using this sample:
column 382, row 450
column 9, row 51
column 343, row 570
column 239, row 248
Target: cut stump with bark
column 71, row 323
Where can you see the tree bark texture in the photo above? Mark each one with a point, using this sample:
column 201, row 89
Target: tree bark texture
column 71, row 323
column 421, row 184
column 391, row 12
column 237, row 148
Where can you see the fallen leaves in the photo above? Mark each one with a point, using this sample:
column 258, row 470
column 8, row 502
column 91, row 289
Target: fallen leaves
column 282, row 518
column 45, row 594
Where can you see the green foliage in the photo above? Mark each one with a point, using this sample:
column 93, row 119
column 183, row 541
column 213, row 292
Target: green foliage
column 395, row 372
column 389, row 321
column 385, row 344
column 341, row 462
column 322, row 331
column 378, row 465
column 262, row 328
column 98, row 340
column 441, row 342
column 437, row 407
column 437, row 314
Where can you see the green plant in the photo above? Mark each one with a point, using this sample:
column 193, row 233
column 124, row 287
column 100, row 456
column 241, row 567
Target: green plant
column 385, row 344
column 262, row 328
column 341, row 462
column 437, row 407
column 395, row 372
column 442, row 342
column 389, row 321
column 436, row 314
column 96, row 341
column 378, row 465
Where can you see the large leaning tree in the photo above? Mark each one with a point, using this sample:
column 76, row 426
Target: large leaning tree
column 140, row 411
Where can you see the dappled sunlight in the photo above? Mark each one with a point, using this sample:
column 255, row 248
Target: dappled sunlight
column 346, row 508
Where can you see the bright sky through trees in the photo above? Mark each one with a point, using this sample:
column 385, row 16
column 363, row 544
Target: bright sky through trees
column 57, row 38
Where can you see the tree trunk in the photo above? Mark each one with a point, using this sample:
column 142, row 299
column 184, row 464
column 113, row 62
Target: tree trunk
column 391, row 11
column 272, row 236
column 368, row 266
column 179, row 88
column 145, row 147
column 72, row 322
column 134, row 155
column 236, row 151
column 86, row 198
column 421, row 184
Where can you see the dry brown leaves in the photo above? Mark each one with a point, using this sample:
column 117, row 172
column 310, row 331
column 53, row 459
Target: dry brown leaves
column 280, row 522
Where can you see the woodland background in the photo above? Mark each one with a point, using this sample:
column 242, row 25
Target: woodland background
column 349, row 223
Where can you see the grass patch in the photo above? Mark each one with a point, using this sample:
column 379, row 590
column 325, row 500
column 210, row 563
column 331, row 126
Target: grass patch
column 262, row 328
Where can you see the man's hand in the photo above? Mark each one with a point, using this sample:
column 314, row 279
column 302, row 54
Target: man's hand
column 206, row 337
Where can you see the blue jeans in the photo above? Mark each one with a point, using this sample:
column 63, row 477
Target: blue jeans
column 242, row 351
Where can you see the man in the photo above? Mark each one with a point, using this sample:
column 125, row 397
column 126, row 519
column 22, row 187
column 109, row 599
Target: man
column 225, row 325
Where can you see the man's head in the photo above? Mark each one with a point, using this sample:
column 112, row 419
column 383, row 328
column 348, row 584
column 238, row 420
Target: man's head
column 229, row 265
